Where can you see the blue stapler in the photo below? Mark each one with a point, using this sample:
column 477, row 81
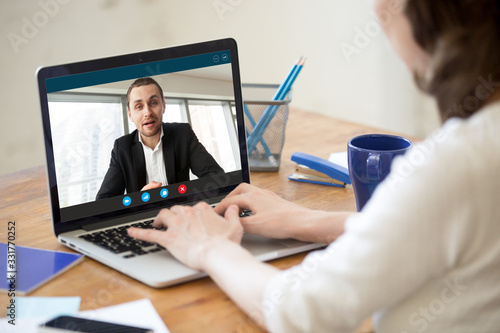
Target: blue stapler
column 312, row 169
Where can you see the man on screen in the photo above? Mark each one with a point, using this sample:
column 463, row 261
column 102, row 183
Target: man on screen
column 157, row 153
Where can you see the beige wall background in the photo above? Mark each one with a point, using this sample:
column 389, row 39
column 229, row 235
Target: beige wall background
column 369, row 85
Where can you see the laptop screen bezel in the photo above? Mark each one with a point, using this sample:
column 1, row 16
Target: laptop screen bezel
column 56, row 71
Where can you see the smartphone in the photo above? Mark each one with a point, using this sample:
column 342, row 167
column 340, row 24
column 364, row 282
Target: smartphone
column 68, row 324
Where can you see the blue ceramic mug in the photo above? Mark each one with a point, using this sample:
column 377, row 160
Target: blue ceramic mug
column 369, row 157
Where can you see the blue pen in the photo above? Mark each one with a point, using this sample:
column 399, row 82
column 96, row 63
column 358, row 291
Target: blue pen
column 270, row 111
column 252, row 122
column 268, row 114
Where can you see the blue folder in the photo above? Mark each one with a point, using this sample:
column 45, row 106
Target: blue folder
column 32, row 267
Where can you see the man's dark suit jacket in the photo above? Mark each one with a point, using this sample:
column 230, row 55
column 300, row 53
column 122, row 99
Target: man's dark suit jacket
column 181, row 152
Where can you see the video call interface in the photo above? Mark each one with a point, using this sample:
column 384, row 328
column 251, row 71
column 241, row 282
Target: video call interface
column 89, row 112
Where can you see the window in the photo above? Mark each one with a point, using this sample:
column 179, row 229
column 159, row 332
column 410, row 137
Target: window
column 213, row 124
column 83, row 136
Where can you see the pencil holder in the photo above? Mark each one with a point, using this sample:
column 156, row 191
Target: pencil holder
column 265, row 122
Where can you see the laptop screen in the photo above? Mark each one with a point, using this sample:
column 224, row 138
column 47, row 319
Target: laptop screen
column 100, row 120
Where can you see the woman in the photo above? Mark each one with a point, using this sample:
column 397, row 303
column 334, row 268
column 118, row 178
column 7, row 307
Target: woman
column 424, row 254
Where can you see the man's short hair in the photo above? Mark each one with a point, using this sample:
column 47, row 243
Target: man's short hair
column 143, row 81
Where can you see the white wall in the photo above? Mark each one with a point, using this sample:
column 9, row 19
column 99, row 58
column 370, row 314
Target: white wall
column 373, row 88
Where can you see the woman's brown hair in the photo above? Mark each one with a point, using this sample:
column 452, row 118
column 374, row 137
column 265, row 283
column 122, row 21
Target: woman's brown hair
column 463, row 40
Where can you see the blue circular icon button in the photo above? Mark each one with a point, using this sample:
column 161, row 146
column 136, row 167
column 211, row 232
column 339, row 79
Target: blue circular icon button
column 164, row 193
column 145, row 197
column 126, row 201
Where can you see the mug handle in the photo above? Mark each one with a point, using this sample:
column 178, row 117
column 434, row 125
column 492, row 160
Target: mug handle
column 373, row 167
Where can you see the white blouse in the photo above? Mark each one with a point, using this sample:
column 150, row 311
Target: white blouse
column 423, row 255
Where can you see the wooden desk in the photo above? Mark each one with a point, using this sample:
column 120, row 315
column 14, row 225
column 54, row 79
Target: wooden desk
column 198, row 306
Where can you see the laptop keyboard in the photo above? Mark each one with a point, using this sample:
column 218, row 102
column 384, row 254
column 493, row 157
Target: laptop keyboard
column 118, row 241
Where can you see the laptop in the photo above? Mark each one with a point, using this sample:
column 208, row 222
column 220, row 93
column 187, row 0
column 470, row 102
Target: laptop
column 84, row 111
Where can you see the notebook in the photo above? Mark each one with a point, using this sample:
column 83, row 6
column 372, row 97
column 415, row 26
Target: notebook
column 88, row 135
column 28, row 268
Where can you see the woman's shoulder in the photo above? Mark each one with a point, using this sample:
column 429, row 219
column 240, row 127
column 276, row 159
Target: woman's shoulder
column 458, row 162
column 463, row 143
column 483, row 126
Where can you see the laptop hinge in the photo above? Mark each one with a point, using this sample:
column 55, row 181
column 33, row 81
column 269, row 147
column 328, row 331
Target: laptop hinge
column 140, row 216
column 120, row 220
